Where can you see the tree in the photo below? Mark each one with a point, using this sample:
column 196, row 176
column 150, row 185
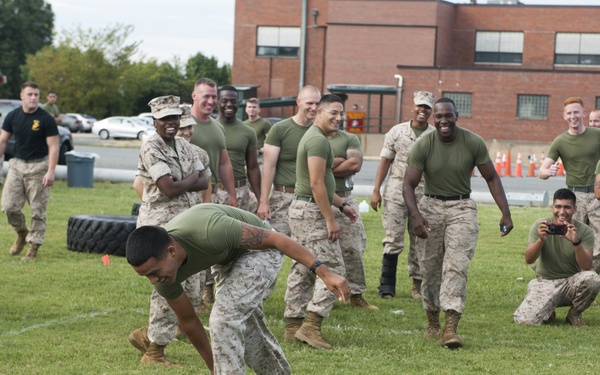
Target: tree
column 25, row 27
column 199, row 66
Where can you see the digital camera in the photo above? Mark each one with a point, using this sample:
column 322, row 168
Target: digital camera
column 557, row 229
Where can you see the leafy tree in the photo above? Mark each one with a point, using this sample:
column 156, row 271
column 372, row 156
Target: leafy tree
column 25, row 27
column 199, row 66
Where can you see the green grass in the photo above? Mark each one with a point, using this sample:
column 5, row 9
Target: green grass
column 67, row 313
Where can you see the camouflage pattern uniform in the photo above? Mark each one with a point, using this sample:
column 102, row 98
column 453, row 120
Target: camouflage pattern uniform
column 156, row 159
column 244, row 337
column 24, row 182
column 560, row 280
column 353, row 242
column 445, row 255
column 242, row 193
column 396, row 146
column 280, row 202
column 309, row 228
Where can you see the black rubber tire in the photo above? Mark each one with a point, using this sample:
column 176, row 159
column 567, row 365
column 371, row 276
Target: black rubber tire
column 104, row 134
column 102, row 234
column 135, row 209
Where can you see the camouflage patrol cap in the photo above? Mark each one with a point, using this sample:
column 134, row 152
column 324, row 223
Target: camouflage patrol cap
column 186, row 117
column 424, row 98
column 164, row 106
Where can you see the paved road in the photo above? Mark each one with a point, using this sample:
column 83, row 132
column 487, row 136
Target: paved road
column 123, row 154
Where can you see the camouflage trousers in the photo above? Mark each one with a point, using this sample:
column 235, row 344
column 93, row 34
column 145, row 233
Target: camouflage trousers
column 304, row 289
column 445, row 255
column 161, row 329
column 239, row 331
column 544, row 295
column 280, row 202
column 24, row 183
column 353, row 242
column 394, row 219
column 588, row 211
column 242, row 194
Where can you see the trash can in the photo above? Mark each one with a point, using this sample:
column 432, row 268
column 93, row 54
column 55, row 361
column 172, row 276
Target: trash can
column 80, row 169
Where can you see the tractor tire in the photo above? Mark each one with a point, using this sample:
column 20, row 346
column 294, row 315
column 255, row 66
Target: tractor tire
column 102, row 234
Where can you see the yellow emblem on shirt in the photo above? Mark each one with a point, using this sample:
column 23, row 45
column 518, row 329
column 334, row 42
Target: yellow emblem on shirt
column 36, row 125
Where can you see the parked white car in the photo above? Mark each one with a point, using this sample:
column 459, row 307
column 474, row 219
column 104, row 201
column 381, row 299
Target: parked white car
column 119, row 127
column 86, row 121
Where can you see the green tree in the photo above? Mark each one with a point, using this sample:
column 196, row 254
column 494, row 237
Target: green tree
column 199, row 66
column 89, row 70
column 25, row 27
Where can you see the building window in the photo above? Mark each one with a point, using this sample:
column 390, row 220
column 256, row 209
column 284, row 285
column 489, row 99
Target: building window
column 499, row 47
column 462, row 101
column 577, row 49
column 532, row 107
column 277, row 41
column 597, row 106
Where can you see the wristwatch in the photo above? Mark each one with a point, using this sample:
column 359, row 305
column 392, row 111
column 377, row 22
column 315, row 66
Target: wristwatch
column 578, row 242
column 341, row 207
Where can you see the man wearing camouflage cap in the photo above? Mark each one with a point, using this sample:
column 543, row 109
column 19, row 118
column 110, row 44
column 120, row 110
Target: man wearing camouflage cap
column 172, row 175
column 396, row 145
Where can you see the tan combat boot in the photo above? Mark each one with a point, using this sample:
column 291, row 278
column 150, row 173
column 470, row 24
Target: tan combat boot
column 310, row 332
column 19, row 244
column 31, row 252
column 208, row 294
column 574, row 318
column 357, row 300
column 449, row 338
column 416, row 289
column 156, row 355
column 433, row 324
column 139, row 339
column 291, row 326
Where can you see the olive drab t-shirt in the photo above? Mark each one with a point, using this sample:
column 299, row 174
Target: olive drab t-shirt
column 579, row 154
column 447, row 167
column 314, row 143
column 557, row 258
column 210, row 136
column 239, row 138
column 286, row 135
column 261, row 127
column 341, row 142
column 210, row 234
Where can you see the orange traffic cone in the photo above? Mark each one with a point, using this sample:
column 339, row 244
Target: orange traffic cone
column 532, row 160
column 498, row 164
column 519, row 166
column 507, row 165
column 503, row 164
column 561, row 168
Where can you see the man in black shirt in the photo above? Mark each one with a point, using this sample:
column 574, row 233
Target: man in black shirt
column 31, row 171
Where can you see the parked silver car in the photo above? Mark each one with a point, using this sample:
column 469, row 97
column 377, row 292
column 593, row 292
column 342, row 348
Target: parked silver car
column 119, row 127
column 86, row 121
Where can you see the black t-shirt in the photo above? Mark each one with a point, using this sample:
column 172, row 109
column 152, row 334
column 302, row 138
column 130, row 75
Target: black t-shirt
column 30, row 131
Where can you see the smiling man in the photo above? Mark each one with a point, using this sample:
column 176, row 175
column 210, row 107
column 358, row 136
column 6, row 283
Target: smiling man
column 239, row 247
column 578, row 150
column 241, row 148
column 445, row 218
column 396, row 146
column 564, row 262
column 172, row 175
column 313, row 224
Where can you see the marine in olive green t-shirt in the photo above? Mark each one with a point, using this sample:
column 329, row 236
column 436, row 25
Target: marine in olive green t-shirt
column 261, row 127
column 447, row 166
column 314, row 143
column 210, row 136
column 239, row 137
column 579, row 154
column 286, row 135
column 341, row 142
column 210, row 234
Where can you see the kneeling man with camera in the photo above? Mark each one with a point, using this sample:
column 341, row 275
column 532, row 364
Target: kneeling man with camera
column 562, row 248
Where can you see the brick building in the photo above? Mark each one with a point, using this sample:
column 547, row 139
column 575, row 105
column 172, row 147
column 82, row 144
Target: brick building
column 508, row 67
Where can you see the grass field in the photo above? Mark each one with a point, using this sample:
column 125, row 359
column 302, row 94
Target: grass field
column 67, row 313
